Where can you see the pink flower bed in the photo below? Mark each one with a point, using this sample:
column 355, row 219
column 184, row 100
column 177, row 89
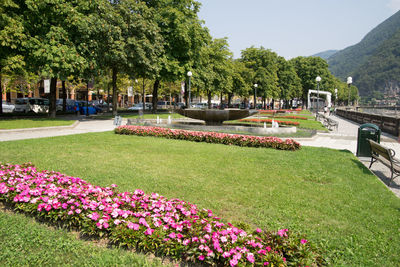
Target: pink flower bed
column 210, row 137
column 149, row 222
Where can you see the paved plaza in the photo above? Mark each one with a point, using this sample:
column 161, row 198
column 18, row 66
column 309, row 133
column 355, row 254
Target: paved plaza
column 344, row 138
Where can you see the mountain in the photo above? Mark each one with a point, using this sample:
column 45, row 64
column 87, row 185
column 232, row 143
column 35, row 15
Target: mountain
column 373, row 62
column 326, row 54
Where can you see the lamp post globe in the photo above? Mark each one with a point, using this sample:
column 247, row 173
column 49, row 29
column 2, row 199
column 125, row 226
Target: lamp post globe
column 255, row 95
column 318, row 79
column 349, row 82
column 189, row 74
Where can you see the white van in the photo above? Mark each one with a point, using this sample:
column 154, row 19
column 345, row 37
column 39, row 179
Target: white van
column 36, row 105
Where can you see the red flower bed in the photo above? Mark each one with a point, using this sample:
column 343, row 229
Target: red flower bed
column 149, row 222
column 210, row 137
column 270, row 121
column 292, row 117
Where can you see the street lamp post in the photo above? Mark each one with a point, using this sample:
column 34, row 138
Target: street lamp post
column 255, row 95
column 318, row 79
column 335, row 97
column 189, row 74
column 349, row 82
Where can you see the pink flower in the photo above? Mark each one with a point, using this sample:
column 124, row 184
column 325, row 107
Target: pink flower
column 201, row 257
column 149, row 231
column 282, row 232
column 133, row 226
column 233, row 262
column 262, row 252
column 250, row 257
column 303, row 241
column 172, row 235
column 258, row 230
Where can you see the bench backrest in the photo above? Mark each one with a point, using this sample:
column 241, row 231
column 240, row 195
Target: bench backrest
column 380, row 150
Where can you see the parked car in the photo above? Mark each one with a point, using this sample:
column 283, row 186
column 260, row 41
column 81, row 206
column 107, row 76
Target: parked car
column 7, row 107
column 200, row 105
column 80, row 106
column 139, row 106
column 70, row 104
column 36, row 105
column 165, row 104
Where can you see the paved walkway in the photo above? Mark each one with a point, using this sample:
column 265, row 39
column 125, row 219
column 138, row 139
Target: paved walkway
column 345, row 137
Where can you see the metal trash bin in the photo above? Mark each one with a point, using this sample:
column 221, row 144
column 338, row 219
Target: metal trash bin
column 365, row 132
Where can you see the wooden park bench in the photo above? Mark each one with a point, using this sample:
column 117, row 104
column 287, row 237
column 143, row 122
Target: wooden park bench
column 331, row 124
column 386, row 157
column 327, row 122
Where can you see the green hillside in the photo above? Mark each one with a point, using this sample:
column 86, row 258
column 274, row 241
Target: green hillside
column 326, row 54
column 373, row 61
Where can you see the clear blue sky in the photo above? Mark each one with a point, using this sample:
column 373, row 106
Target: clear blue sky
column 294, row 28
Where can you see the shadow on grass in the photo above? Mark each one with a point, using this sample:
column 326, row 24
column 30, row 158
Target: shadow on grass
column 380, row 171
column 362, row 166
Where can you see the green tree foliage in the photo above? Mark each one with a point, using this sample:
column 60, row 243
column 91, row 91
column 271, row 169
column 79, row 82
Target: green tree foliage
column 12, row 40
column 288, row 81
column 264, row 64
column 242, row 80
column 213, row 70
column 183, row 37
column 131, row 42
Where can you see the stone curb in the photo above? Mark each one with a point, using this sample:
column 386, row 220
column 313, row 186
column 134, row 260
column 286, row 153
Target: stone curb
column 41, row 128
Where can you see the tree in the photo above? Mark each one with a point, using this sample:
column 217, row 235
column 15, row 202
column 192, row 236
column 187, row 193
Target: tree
column 213, row 70
column 264, row 64
column 183, row 37
column 12, row 40
column 131, row 42
column 241, row 80
column 288, row 81
column 308, row 68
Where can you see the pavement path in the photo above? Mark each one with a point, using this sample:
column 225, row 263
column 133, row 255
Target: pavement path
column 344, row 138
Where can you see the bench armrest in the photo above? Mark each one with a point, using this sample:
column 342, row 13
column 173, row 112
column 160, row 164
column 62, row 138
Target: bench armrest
column 392, row 153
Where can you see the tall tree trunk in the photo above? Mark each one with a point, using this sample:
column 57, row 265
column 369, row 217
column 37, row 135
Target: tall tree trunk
column 230, row 95
column 53, row 96
column 221, row 106
column 115, row 93
column 64, row 91
column 186, row 95
column 87, row 98
column 1, row 93
column 209, row 98
column 108, row 97
column 155, row 95
column 144, row 97
column 255, row 99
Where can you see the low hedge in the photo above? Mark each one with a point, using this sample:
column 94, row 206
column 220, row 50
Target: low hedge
column 209, row 137
column 149, row 222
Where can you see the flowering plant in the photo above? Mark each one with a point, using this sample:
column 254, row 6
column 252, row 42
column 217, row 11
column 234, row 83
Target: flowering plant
column 149, row 222
column 210, row 137
column 292, row 117
column 270, row 121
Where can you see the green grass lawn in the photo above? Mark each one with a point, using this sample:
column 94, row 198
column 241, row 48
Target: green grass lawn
column 324, row 193
column 25, row 242
column 33, row 123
